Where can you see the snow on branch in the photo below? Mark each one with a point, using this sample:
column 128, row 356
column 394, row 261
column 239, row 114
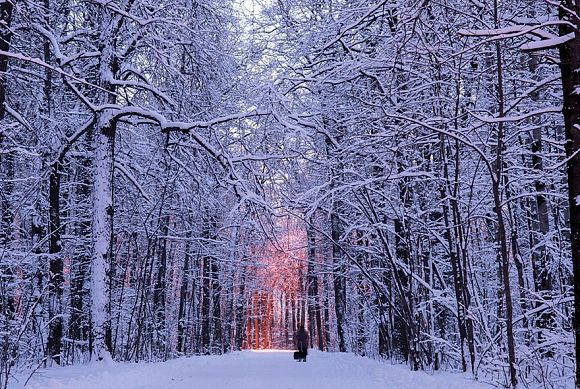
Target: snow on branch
column 547, row 43
column 189, row 126
column 547, row 39
column 121, row 169
column 504, row 119
column 352, row 26
column 142, row 22
column 516, row 30
column 226, row 161
column 510, row 31
column 39, row 62
column 169, row 126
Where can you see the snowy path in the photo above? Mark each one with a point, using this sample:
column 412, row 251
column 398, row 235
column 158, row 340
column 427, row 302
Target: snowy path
column 249, row 370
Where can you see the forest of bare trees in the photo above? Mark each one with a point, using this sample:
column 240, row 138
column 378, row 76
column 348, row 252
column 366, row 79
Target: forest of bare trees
column 202, row 176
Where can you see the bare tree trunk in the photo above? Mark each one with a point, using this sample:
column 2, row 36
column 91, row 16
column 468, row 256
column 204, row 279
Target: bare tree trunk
column 457, row 277
column 181, row 319
column 78, row 324
column 6, row 8
column 339, row 280
column 569, row 65
column 159, row 293
column 205, row 304
column 326, row 284
column 313, row 295
column 241, row 309
column 56, row 277
column 103, row 207
column 216, row 315
column 498, row 208
column 540, row 226
column 338, row 262
column 55, row 280
column 102, row 224
column 540, row 255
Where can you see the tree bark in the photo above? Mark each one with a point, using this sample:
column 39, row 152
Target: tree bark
column 159, row 293
column 569, row 65
column 102, row 224
column 216, row 314
column 241, row 309
column 339, row 281
column 498, row 208
column 314, row 314
column 56, row 279
column 6, row 8
column 79, row 320
column 181, row 319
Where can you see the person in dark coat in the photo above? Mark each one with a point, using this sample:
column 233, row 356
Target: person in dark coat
column 301, row 340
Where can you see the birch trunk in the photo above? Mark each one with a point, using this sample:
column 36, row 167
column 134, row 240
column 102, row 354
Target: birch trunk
column 102, row 225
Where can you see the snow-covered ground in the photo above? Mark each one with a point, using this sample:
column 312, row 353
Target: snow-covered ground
column 272, row 369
